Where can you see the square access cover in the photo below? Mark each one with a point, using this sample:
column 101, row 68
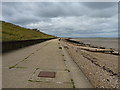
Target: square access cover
column 46, row 74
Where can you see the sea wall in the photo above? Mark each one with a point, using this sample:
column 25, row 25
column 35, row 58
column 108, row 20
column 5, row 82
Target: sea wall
column 12, row 45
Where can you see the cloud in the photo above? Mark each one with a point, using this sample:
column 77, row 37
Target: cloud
column 100, row 5
column 64, row 18
column 62, row 26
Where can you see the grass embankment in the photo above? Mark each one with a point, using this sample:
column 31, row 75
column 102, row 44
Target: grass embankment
column 11, row 32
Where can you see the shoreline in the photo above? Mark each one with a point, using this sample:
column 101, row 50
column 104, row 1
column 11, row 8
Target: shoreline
column 100, row 42
column 93, row 48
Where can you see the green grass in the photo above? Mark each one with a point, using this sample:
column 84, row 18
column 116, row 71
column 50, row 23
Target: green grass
column 60, row 47
column 67, row 70
column 13, row 66
column 73, row 84
column 34, row 81
column 64, row 60
column 11, row 32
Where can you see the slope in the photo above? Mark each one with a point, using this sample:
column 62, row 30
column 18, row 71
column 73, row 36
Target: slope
column 11, row 32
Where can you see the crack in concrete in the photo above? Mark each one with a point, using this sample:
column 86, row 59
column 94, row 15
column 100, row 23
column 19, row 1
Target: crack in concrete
column 14, row 66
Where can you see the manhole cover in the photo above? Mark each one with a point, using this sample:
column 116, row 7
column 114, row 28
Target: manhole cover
column 46, row 74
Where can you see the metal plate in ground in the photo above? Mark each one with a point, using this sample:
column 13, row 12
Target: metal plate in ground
column 46, row 74
column 60, row 77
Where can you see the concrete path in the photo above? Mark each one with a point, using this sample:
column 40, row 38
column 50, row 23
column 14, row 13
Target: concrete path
column 76, row 74
column 21, row 68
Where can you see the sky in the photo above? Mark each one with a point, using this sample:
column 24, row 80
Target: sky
column 65, row 19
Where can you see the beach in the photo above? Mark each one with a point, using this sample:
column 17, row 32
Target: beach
column 99, row 67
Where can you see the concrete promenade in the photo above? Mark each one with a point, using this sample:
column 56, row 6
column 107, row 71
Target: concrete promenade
column 20, row 68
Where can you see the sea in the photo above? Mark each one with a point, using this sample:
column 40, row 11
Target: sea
column 101, row 42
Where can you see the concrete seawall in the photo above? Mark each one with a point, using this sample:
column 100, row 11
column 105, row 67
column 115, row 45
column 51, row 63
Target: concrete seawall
column 12, row 45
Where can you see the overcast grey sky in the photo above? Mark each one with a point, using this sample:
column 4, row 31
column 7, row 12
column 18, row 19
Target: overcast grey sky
column 65, row 19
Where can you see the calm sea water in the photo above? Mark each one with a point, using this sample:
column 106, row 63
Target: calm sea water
column 105, row 42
